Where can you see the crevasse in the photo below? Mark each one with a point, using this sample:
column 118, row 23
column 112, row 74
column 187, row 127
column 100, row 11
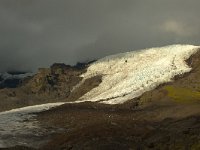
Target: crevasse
column 128, row 75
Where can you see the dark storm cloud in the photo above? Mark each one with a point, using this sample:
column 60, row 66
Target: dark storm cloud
column 37, row 33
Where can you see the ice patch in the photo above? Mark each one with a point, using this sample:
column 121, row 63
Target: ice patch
column 18, row 126
column 128, row 75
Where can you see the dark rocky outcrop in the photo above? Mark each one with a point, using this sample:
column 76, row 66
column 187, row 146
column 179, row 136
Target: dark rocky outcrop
column 13, row 79
column 10, row 83
column 47, row 85
column 56, row 81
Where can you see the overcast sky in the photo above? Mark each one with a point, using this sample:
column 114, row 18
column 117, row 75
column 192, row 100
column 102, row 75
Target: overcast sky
column 37, row 33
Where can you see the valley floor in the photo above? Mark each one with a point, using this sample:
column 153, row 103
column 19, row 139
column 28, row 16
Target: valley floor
column 94, row 126
column 162, row 125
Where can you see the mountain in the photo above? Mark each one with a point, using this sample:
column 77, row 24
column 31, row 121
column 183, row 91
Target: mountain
column 12, row 79
column 47, row 85
column 112, row 80
column 145, row 99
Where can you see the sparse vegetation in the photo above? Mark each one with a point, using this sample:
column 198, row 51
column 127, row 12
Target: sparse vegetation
column 180, row 94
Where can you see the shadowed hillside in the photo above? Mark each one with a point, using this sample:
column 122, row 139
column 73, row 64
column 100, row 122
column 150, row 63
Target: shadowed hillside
column 52, row 84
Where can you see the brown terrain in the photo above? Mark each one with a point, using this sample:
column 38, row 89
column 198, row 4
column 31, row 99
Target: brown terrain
column 52, row 84
column 166, row 118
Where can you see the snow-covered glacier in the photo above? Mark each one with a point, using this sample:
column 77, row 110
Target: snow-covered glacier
column 128, row 75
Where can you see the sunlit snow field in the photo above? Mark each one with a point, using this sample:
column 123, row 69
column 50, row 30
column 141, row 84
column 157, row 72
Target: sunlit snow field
column 128, row 75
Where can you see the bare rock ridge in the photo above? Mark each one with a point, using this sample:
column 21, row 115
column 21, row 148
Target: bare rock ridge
column 48, row 85
column 56, row 81
column 122, row 78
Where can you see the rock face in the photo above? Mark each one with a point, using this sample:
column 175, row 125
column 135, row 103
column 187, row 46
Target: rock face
column 60, row 82
column 56, row 81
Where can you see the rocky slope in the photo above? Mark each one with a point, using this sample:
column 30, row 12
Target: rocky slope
column 52, row 84
column 112, row 80
column 167, row 117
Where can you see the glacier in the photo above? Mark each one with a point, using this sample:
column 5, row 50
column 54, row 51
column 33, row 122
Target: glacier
column 19, row 126
column 124, row 77
column 129, row 75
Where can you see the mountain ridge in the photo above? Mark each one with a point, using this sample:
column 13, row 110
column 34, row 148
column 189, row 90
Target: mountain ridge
column 159, row 116
column 67, row 83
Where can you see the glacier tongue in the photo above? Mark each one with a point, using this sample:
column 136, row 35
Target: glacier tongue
column 19, row 127
column 128, row 75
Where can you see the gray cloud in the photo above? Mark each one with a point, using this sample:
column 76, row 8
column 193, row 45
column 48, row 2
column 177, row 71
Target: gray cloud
column 37, row 33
